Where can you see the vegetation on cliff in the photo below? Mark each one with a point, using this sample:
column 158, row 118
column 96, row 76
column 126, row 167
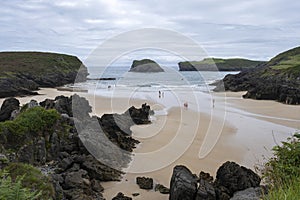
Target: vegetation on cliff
column 282, row 172
column 278, row 79
column 145, row 65
column 23, row 72
column 219, row 64
column 21, row 181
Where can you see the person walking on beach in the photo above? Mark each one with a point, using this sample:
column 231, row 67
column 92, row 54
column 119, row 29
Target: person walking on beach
column 185, row 105
column 159, row 94
column 213, row 102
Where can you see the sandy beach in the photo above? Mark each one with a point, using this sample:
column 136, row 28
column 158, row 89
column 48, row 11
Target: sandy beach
column 249, row 131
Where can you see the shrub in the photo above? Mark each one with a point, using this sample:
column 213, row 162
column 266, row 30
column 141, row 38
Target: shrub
column 31, row 179
column 13, row 190
column 282, row 172
column 29, row 124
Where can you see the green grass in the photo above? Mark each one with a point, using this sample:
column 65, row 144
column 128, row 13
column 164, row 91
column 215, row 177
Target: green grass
column 222, row 64
column 37, row 63
column 288, row 191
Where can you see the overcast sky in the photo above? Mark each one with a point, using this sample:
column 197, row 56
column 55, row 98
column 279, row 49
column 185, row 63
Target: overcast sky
column 255, row 29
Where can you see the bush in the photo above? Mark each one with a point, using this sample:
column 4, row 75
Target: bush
column 282, row 172
column 13, row 190
column 32, row 179
column 29, row 124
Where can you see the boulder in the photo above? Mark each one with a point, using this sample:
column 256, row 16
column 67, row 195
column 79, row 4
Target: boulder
column 145, row 183
column 8, row 106
column 162, row 189
column 183, row 184
column 248, row 194
column 121, row 196
column 236, row 178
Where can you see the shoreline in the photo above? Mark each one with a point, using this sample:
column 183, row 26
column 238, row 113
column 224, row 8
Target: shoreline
column 238, row 141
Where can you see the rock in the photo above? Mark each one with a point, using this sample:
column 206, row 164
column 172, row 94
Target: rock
column 206, row 191
column 278, row 79
column 135, row 194
column 97, row 170
column 162, row 189
column 145, row 183
column 32, row 103
column 8, row 106
column 183, row 184
column 121, row 196
column 96, row 186
column 74, row 179
column 248, row 194
column 145, row 65
column 236, row 178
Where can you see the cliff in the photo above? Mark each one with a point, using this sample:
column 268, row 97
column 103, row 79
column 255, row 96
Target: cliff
column 278, row 79
column 145, row 65
column 210, row 64
column 24, row 72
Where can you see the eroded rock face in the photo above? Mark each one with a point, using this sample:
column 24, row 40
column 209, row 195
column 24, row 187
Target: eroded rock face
column 145, row 65
column 231, row 178
column 60, row 152
column 236, row 178
column 9, row 105
column 248, row 194
column 183, row 184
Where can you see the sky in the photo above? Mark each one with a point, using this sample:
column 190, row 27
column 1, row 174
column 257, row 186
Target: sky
column 254, row 29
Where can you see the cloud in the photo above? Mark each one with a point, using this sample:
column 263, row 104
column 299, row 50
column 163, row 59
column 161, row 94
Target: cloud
column 254, row 29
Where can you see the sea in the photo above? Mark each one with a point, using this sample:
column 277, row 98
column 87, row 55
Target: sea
column 118, row 81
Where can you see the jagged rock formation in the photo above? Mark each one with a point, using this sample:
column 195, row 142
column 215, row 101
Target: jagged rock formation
column 278, row 79
column 24, row 72
column 230, row 178
column 219, row 64
column 145, row 65
column 45, row 135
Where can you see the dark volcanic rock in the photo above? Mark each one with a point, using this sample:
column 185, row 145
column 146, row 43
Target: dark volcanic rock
column 183, row 184
column 162, row 189
column 206, row 190
column 248, row 194
column 9, row 105
column 145, row 65
column 145, row 183
column 236, row 178
column 117, row 127
column 61, row 151
column 121, row 196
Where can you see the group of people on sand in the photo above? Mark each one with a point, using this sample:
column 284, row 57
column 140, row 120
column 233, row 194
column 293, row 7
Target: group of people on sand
column 161, row 94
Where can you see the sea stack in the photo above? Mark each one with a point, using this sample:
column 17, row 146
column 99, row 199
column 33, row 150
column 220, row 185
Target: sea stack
column 145, row 65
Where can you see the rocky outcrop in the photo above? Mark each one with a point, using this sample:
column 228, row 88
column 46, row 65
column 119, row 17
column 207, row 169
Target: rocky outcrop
column 24, row 72
column 278, row 79
column 248, row 194
column 235, row 178
column 145, row 65
column 183, row 184
column 162, row 189
column 219, row 64
column 230, row 179
column 9, row 105
column 53, row 142
column 121, row 196
column 144, row 183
